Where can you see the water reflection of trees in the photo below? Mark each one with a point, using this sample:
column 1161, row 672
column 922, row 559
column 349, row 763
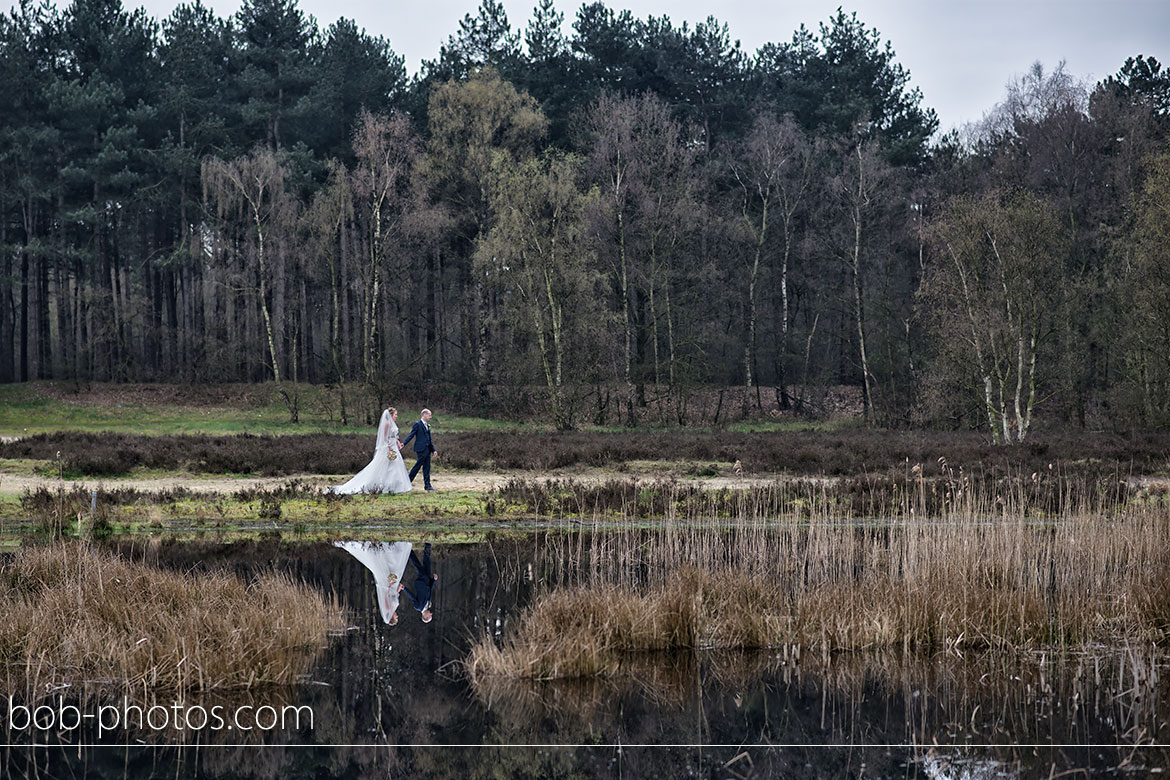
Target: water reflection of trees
column 1107, row 698
column 386, row 689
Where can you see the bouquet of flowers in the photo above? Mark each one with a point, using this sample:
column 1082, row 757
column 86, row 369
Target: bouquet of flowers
column 391, row 453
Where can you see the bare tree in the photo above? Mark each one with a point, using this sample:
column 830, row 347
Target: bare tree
column 612, row 125
column 535, row 257
column 1147, row 318
column 666, row 209
column 773, row 168
column 643, row 167
column 856, row 200
column 332, row 206
column 251, row 189
column 990, row 296
column 387, row 152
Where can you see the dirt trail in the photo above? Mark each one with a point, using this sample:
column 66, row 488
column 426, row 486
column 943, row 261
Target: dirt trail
column 478, row 481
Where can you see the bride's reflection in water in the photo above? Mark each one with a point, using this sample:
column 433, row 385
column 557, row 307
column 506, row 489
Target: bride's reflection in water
column 387, row 562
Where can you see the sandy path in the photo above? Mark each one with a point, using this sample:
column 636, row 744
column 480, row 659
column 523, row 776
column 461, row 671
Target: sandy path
column 461, row 481
column 15, row 483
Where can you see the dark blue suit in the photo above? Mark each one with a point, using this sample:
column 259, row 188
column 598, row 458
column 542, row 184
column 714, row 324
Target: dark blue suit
column 423, row 449
column 420, row 597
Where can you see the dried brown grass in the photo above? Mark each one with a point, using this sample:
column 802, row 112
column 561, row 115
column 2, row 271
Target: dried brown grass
column 580, row 632
column 78, row 616
column 986, row 574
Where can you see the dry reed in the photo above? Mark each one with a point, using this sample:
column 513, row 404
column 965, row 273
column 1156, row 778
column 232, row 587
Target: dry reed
column 989, row 571
column 77, row 616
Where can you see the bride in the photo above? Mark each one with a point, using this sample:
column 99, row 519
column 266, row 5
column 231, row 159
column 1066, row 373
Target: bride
column 386, row 473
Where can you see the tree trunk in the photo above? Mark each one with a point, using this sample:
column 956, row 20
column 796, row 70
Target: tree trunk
column 858, row 304
column 782, row 350
column 60, row 340
column 626, row 326
column 749, row 350
column 24, row 296
column 550, row 379
column 263, row 268
column 370, row 323
column 481, row 331
column 44, row 323
column 654, row 324
column 7, row 320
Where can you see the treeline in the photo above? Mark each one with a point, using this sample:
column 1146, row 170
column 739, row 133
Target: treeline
column 602, row 222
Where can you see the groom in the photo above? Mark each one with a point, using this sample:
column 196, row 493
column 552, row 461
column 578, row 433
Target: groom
column 424, row 447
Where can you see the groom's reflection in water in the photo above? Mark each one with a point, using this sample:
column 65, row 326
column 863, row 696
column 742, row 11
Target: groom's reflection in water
column 424, row 584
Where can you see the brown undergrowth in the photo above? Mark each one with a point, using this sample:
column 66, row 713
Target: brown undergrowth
column 848, row 453
column 76, row 616
column 987, row 572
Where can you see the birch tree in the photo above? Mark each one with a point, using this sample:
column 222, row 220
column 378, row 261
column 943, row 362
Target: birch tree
column 642, row 170
column 856, row 195
column 536, row 260
column 250, row 190
column 773, row 170
column 990, row 293
column 386, row 155
column 470, row 123
column 670, row 207
column 1147, row 343
column 332, row 206
column 610, row 128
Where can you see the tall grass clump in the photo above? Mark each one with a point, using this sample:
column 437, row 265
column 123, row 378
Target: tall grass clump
column 73, row 615
column 783, row 567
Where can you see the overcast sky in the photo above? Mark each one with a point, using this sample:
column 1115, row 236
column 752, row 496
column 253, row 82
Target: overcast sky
column 961, row 54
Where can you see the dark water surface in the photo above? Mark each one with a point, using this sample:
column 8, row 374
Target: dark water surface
column 392, row 701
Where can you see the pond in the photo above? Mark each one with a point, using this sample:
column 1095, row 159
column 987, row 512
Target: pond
column 393, row 701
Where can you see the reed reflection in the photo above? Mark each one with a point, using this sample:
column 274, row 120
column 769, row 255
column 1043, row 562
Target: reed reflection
column 909, row 714
column 947, row 709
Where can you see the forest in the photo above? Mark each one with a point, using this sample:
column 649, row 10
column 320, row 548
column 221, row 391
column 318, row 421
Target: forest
column 595, row 227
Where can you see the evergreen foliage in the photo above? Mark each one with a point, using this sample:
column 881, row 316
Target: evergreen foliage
column 588, row 216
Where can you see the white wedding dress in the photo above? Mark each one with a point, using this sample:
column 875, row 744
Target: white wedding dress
column 387, row 561
column 381, row 475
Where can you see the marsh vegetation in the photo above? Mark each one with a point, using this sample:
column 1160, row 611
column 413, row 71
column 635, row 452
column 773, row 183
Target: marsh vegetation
column 76, row 617
column 779, row 568
column 383, row 690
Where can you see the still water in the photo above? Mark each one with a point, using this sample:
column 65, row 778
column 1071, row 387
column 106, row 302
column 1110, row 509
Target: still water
column 391, row 701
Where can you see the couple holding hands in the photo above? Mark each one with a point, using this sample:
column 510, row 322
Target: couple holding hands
column 386, row 473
